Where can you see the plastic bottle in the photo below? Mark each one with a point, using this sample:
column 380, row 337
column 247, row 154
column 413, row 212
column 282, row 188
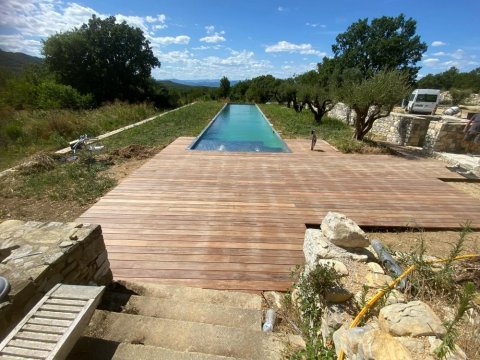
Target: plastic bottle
column 269, row 321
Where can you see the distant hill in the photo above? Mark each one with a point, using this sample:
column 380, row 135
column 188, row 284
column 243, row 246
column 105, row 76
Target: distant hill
column 207, row 82
column 169, row 84
column 16, row 61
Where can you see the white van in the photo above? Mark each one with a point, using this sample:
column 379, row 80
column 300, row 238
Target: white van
column 423, row 101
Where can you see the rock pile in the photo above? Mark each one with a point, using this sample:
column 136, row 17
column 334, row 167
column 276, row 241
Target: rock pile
column 400, row 331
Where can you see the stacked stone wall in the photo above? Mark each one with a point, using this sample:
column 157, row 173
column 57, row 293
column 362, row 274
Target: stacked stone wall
column 36, row 256
column 432, row 133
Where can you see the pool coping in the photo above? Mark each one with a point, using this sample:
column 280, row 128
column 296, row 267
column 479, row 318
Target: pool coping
column 197, row 138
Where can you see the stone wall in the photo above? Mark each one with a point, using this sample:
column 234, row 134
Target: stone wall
column 402, row 129
column 447, row 136
column 441, row 134
column 35, row 256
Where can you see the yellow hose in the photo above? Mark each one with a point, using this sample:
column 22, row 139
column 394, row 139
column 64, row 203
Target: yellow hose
column 391, row 285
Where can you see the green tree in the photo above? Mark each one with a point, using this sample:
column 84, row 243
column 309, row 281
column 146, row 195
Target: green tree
column 224, row 89
column 374, row 98
column 104, row 58
column 286, row 92
column 262, row 89
column 387, row 43
column 459, row 95
column 452, row 78
column 239, row 90
column 315, row 91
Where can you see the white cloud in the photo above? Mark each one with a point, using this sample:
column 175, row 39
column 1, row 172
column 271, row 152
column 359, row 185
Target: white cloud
column 210, row 29
column 281, row 8
column 237, row 65
column 167, row 40
column 285, row 46
column 160, row 18
column 445, row 60
column 18, row 43
column 213, row 39
column 33, row 20
column 438, row 43
column 431, row 61
column 316, row 25
column 458, row 54
column 202, row 47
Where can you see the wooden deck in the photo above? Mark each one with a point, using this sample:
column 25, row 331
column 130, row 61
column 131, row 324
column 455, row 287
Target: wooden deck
column 237, row 220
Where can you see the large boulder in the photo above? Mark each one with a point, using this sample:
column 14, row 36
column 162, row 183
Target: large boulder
column 378, row 345
column 411, row 319
column 349, row 340
column 367, row 343
column 316, row 247
column 333, row 317
column 342, row 231
column 336, row 265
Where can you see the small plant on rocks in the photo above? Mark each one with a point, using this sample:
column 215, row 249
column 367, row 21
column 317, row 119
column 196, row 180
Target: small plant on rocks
column 451, row 336
column 429, row 281
column 312, row 289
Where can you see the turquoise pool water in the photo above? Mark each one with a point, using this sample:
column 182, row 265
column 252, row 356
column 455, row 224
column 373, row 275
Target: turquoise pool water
column 240, row 128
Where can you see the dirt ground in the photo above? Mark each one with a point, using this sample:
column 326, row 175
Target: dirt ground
column 123, row 162
column 438, row 243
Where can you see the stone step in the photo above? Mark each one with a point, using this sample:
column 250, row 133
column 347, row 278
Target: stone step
column 184, row 336
column 99, row 349
column 236, row 299
column 215, row 314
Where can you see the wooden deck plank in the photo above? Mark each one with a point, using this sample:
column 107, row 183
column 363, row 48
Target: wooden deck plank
column 237, row 220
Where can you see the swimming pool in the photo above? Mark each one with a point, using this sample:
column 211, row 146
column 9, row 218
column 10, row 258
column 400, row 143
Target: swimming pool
column 239, row 127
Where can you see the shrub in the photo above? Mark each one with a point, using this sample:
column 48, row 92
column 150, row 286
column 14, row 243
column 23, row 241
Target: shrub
column 52, row 95
column 459, row 95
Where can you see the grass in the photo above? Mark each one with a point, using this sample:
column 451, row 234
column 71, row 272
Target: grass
column 188, row 121
column 23, row 133
column 299, row 125
column 83, row 181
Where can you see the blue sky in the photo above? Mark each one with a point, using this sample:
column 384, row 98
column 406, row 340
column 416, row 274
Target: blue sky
column 208, row 39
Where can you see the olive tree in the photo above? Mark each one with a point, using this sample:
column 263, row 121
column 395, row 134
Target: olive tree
column 315, row 92
column 374, row 98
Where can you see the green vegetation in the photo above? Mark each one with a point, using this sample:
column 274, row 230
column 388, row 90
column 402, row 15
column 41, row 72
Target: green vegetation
column 80, row 182
column 312, row 288
column 180, row 94
column 384, row 52
column 116, row 60
column 84, row 180
column 16, row 62
column 448, row 342
column 224, row 89
column 387, row 43
column 23, row 133
column 188, row 121
column 441, row 285
column 452, row 79
column 374, row 98
column 300, row 125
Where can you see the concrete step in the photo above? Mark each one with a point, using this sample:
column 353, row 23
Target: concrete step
column 188, row 294
column 184, row 336
column 99, row 349
column 215, row 314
